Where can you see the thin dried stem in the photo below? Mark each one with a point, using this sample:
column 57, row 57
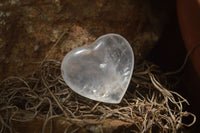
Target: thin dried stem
column 184, row 63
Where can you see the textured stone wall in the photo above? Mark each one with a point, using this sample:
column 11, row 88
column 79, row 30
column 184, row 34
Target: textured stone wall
column 30, row 28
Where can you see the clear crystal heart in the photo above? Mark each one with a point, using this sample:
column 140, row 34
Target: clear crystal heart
column 101, row 71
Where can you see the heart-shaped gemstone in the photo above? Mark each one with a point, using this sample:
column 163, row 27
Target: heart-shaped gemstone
column 101, row 71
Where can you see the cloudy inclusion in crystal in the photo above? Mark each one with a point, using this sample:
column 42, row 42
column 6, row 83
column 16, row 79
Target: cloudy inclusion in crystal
column 101, row 71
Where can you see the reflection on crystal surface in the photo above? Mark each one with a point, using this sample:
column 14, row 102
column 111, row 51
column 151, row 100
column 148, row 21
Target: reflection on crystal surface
column 101, row 71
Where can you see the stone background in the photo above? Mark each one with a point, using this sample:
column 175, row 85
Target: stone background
column 28, row 29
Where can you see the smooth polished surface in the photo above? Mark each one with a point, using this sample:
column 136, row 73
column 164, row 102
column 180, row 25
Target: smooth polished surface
column 101, row 71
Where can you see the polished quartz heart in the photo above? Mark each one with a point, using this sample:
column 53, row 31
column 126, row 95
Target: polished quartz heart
column 101, row 71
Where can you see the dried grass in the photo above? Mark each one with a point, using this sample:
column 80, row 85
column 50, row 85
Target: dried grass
column 148, row 105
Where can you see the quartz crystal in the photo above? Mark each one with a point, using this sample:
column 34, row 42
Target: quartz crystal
column 100, row 71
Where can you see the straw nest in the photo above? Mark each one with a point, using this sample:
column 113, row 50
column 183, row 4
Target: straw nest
column 147, row 106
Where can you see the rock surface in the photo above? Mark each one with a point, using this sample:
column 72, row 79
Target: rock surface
column 30, row 28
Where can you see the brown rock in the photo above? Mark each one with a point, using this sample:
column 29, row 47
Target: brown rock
column 32, row 27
